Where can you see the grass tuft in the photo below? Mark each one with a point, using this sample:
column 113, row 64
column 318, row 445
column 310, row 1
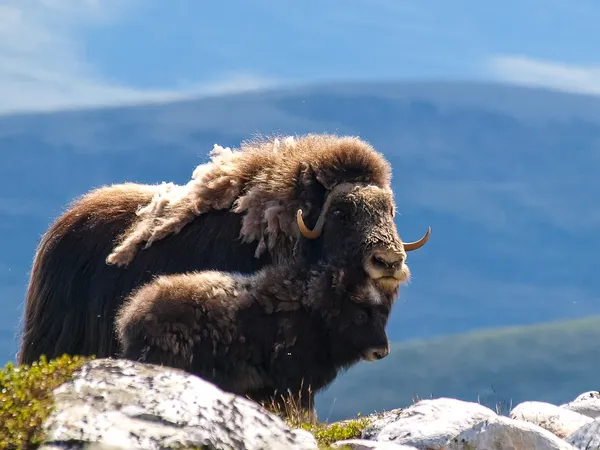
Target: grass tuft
column 288, row 408
column 26, row 398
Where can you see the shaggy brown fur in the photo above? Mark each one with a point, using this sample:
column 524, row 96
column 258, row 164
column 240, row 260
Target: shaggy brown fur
column 286, row 329
column 253, row 194
column 262, row 179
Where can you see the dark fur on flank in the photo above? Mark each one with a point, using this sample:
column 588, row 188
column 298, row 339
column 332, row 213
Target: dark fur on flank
column 238, row 213
column 286, row 329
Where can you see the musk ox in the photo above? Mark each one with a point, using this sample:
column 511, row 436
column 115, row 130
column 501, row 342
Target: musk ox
column 288, row 328
column 242, row 210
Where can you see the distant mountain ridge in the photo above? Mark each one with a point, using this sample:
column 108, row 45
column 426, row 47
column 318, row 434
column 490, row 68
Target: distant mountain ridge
column 506, row 177
column 521, row 101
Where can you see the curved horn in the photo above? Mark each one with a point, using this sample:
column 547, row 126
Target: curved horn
column 306, row 232
column 318, row 229
column 410, row 246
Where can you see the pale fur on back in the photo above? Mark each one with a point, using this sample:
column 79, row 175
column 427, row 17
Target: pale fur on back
column 260, row 179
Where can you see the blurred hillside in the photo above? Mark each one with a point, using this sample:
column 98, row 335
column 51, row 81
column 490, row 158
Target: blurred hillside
column 551, row 362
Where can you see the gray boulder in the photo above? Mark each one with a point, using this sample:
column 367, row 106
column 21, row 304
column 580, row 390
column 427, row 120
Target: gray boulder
column 560, row 421
column 587, row 437
column 504, row 433
column 587, row 403
column 428, row 424
column 119, row 404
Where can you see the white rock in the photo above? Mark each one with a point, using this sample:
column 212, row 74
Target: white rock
column 587, row 437
column 587, row 404
column 365, row 444
column 140, row 406
column 80, row 446
column 430, row 423
column 504, row 433
column 306, row 437
column 559, row 421
column 379, row 421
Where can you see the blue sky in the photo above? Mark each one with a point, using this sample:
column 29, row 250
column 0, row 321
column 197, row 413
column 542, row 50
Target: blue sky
column 69, row 53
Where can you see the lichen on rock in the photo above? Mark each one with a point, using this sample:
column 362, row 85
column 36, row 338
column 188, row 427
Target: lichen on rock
column 141, row 406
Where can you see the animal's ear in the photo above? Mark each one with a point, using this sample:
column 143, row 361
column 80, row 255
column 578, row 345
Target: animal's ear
column 312, row 178
column 323, row 178
column 311, row 192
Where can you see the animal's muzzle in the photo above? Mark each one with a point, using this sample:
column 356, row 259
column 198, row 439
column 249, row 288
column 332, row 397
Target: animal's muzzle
column 377, row 353
column 385, row 263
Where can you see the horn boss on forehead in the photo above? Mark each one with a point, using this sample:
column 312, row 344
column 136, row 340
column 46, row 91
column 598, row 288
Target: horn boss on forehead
column 318, row 228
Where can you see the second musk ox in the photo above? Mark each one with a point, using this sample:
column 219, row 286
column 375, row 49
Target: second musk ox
column 287, row 329
column 241, row 211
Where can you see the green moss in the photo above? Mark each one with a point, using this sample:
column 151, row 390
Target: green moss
column 26, row 400
column 288, row 408
column 327, row 434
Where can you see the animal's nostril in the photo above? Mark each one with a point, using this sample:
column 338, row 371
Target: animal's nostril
column 375, row 354
column 378, row 261
column 380, row 353
column 386, row 260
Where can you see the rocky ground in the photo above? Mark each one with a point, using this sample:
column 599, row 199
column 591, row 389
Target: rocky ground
column 120, row 404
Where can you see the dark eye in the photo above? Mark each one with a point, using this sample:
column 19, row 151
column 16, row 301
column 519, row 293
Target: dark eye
column 383, row 310
column 360, row 318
